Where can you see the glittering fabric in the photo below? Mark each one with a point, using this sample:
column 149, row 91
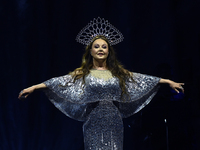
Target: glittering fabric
column 98, row 103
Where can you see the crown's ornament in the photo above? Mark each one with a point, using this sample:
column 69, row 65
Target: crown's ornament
column 99, row 27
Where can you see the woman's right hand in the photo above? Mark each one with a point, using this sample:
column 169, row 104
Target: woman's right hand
column 26, row 92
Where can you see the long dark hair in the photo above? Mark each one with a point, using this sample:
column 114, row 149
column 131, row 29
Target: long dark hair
column 113, row 65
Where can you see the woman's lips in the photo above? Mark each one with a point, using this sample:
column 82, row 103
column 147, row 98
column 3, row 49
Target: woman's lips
column 100, row 54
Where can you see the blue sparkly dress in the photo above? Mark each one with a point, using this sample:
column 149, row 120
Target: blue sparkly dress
column 99, row 105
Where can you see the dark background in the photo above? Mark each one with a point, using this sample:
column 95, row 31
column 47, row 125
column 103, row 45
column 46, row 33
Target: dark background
column 37, row 42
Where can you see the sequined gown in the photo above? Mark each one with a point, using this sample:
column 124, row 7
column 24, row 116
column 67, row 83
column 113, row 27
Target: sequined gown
column 98, row 104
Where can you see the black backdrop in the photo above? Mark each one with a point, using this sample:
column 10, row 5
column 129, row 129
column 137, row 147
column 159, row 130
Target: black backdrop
column 162, row 38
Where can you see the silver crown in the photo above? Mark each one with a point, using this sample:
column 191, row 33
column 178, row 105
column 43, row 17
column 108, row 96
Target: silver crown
column 99, row 27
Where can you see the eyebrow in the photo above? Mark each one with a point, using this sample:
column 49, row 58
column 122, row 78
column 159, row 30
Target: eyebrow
column 102, row 44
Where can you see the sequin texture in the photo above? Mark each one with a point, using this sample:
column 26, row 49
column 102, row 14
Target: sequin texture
column 98, row 103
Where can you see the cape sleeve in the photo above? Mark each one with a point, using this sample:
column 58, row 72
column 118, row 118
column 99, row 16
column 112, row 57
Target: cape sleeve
column 141, row 92
column 68, row 96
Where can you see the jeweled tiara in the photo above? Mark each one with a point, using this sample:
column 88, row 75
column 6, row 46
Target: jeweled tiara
column 99, row 27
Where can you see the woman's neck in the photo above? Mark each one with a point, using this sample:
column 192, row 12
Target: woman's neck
column 99, row 64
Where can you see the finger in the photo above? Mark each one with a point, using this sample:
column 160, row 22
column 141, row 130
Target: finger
column 180, row 84
column 176, row 90
column 23, row 97
column 20, row 95
column 182, row 89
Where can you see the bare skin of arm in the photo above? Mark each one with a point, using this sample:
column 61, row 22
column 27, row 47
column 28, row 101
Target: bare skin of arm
column 173, row 85
column 26, row 92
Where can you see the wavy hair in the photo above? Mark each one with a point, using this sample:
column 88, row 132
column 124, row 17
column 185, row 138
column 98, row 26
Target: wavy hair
column 112, row 64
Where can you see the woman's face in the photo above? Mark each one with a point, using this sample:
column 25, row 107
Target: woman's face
column 99, row 49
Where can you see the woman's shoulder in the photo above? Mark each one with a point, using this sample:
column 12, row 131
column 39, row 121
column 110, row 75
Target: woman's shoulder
column 75, row 72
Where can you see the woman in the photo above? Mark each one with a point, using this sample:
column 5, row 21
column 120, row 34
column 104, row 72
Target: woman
column 101, row 92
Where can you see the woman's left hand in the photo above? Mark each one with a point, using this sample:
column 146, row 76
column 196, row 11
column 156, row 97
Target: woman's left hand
column 176, row 86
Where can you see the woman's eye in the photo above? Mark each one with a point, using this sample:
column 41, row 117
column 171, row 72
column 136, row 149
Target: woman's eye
column 96, row 46
column 104, row 47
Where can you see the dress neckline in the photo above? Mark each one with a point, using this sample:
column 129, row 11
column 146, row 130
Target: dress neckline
column 99, row 70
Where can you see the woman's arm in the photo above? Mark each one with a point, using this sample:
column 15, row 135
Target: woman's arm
column 26, row 92
column 173, row 84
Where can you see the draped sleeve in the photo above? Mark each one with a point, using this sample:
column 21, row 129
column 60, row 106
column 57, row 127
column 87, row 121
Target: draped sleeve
column 68, row 96
column 140, row 93
column 77, row 100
